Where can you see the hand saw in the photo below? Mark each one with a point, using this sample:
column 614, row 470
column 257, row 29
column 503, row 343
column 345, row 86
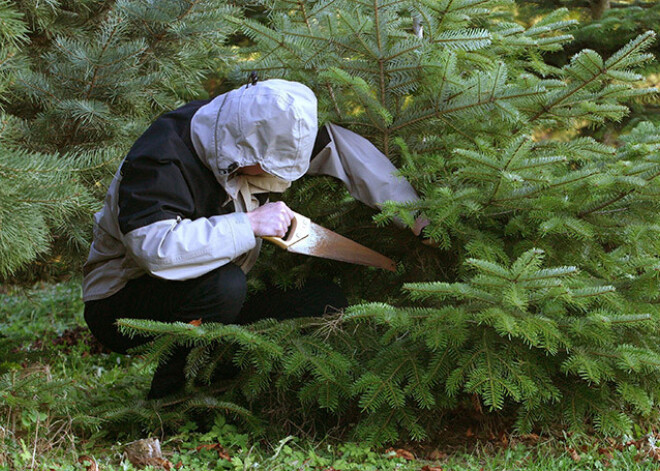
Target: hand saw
column 307, row 238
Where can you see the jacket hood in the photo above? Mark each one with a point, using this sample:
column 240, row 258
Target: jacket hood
column 272, row 123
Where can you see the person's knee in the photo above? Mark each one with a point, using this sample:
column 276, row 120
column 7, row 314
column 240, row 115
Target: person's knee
column 101, row 320
column 231, row 285
column 216, row 296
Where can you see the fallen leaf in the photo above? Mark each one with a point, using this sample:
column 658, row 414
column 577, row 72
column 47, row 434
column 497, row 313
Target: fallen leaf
column 196, row 322
column 615, row 444
column 655, row 454
column 437, row 455
column 222, row 453
column 160, row 462
column 574, row 454
column 469, row 432
column 401, row 453
column 431, row 468
column 92, row 467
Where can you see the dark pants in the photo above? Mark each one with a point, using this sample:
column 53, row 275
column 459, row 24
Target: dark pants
column 218, row 296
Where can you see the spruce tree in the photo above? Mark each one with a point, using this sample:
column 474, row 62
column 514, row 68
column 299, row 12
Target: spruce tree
column 85, row 79
column 540, row 298
column 40, row 194
column 605, row 26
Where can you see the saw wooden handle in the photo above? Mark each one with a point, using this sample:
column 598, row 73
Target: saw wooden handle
column 300, row 227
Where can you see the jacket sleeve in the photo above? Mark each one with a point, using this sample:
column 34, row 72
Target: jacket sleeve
column 155, row 209
column 368, row 174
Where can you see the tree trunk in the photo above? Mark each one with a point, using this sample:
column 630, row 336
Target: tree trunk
column 598, row 8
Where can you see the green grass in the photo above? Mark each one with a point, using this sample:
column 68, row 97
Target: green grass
column 64, row 404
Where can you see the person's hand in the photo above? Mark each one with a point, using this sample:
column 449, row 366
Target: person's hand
column 421, row 223
column 271, row 219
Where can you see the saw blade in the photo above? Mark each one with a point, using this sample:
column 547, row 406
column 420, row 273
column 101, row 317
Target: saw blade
column 322, row 242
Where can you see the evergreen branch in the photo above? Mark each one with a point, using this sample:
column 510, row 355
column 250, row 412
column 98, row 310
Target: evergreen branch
column 513, row 154
column 438, row 113
column 489, row 267
column 310, row 59
column 382, row 382
column 466, row 40
column 627, row 51
column 654, row 364
column 48, row 201
column 418, row 385
column 386, row 422
column 607, row 203
column 462, row 133
column 400, row 53
column 492, row 376
column 614, row 200
column 550, row 273
column 630, row 319
column 160, row 37
column 328, row 376
column 592, row 292
column 532, row 257
column 104, row 48
column 378, row 33
column 455, row 290
column 359, row 37
column 546, row 109
column 34, row 87
column 438, row 362
column 268, row 33
column 318, row 10
column 540, row 162
column 640, row 42
column 443, row 15
column 49, row 170
column 479, row 159
column 496, row 81
column 359, row 68
column 391, row 4
column 534, row 191
column 301, row 4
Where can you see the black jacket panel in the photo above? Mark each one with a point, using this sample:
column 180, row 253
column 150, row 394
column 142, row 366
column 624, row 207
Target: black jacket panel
column 163, row 178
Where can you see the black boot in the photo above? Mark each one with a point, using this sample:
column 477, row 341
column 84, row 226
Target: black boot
column 169, row 377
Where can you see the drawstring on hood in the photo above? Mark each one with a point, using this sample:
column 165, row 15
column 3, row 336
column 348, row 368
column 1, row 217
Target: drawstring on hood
column 272, row 123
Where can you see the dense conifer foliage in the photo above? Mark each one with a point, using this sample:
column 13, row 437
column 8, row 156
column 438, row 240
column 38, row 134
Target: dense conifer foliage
column 538, row 297
column 39, row 193
column 80, row 81
column 605, row 26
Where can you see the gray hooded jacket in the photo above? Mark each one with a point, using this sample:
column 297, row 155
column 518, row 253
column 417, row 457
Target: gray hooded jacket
column 176, row 207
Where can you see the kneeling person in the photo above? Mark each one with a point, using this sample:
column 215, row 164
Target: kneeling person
column 183, row 216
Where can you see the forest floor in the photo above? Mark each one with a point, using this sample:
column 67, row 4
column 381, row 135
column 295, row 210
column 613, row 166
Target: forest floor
column 66, row 404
